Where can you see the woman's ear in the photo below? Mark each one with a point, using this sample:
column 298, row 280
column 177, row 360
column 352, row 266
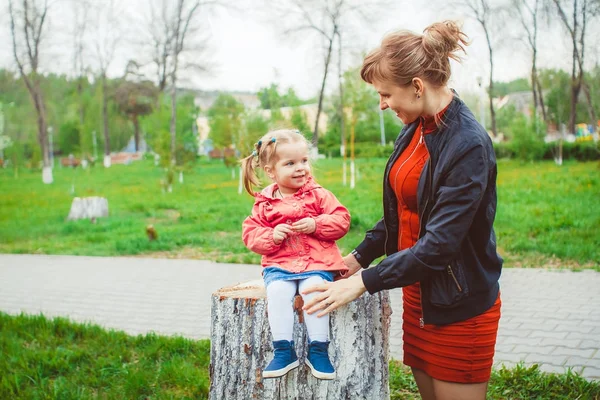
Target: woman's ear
column 418, row 86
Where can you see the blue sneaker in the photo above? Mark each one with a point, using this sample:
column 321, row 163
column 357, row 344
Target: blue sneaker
column 284, row 361
column 318, row 360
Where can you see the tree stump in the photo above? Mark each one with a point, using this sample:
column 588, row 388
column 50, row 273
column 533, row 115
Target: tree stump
column 241, row 348
column 88, row 207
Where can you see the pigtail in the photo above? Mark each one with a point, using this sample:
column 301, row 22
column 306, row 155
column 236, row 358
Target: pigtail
column 249, row 175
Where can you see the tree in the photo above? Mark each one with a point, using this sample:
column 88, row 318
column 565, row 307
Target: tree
column 27, row 25
column 483, row 12
column 80, row 24
column 583, row 11
column 181, row 27
column 225, row 120
column 108, row 35
column 528, row 13
column 136, row 99
column 322, row 18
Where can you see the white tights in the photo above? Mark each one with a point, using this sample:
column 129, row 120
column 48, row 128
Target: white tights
column 280, row 306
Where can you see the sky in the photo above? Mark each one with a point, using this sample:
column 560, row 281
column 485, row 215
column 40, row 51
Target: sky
column 249, row 50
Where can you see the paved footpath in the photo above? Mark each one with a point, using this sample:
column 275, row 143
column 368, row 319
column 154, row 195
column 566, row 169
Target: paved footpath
column 548, row 317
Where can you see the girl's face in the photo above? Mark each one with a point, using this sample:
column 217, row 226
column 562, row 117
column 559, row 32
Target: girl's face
column 291, row 170
column 401, row 99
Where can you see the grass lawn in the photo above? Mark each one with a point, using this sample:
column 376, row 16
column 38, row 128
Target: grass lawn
column 57, row 359
column 547, row 215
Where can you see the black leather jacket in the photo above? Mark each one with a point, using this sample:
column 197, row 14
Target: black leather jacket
column 455, row 258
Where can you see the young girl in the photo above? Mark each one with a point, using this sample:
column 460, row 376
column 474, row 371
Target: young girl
column 294, row 225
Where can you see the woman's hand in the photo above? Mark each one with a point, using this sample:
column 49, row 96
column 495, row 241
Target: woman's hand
column 334, row 294
column 305, row 225
column 280, row 232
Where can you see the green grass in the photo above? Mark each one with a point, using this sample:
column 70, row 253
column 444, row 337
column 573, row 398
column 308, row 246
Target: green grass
column 547, row 215
column 44, row 358
column 57, row 359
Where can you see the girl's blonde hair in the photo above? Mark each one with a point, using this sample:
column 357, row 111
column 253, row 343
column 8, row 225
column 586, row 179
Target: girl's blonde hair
column 404, row 55
column 265, row 153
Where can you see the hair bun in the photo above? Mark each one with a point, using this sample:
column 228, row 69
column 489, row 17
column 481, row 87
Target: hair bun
column 444, row 40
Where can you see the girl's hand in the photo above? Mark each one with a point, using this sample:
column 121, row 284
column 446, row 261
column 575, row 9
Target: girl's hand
column 305, row 225
column 352, row 264
column 334, row 294
column 280, row 232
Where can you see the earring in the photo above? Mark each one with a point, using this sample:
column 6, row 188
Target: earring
column 418, row 96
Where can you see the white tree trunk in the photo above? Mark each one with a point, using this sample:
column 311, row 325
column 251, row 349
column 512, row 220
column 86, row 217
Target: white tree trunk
column 47, row 175
column 352, row 175
column 107, row 161
column 88, row 207
column 241, row 348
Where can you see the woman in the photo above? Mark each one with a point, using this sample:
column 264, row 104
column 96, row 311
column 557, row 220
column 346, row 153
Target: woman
column 439, row 204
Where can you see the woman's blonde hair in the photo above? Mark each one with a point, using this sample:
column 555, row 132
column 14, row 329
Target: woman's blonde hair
column 404, row 55
column 265, row 153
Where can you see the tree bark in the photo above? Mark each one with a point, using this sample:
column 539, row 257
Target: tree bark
column 241, row 348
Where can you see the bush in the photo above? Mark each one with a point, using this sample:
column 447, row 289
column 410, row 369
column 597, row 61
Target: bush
column 580, row 151
column 361, row 150
column 527, row 138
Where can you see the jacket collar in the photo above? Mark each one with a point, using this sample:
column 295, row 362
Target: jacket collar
column 267, row 193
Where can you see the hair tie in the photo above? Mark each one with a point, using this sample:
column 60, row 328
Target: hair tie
column 258, row 144
column 273, row 139
column 254, row 153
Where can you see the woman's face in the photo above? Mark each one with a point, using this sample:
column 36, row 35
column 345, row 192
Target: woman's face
column 400, row 99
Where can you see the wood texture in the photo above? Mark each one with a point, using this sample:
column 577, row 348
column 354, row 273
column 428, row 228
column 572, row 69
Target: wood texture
column 241, row 348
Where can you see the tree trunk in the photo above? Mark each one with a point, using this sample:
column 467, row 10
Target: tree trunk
column 315, row 138
column 173, row 125
column 40, row 108
column 341, row 109
column 136, row 131
column 591, row 111
column 241, row 348
column 541, row 98
column 105, row 122
column 491, row 91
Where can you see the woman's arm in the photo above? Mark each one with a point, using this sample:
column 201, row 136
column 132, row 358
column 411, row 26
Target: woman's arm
column 456, row 203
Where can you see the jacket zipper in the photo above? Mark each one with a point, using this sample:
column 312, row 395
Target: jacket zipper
column 395, row 156
column 422, row 319
column 421, row 140
column 451, row 273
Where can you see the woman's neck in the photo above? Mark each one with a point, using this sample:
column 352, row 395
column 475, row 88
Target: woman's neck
column 436, row 100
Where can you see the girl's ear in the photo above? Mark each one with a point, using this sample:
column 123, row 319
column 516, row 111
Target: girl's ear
column 269, row 171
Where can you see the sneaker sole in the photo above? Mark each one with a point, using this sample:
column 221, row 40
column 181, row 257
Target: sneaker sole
column 280, row 372
column 319, row 374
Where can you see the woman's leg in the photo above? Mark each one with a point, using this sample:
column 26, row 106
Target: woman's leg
column 425, row 384
column 459, row 391
column 317, row 328
column 280, row 307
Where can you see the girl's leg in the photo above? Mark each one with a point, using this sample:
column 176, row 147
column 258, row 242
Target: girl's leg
column 318, row 328
column 280, row 307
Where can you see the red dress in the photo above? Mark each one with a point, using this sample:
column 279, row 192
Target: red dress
column 461, row 352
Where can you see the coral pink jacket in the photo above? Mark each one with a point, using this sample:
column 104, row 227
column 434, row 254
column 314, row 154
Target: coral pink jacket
column 299, row 252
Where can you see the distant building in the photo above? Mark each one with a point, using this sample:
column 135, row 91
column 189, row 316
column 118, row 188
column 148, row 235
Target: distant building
column 205, row 100
column 521, row 101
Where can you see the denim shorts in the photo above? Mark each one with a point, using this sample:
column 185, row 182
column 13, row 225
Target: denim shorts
column 271, row 274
